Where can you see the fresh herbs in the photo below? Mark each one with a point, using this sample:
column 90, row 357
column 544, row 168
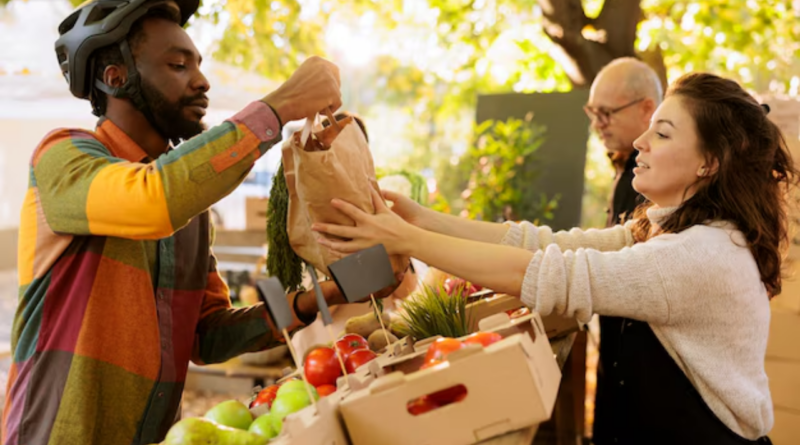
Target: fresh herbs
column 377, row 308
column 432, row 312
column 282, row 261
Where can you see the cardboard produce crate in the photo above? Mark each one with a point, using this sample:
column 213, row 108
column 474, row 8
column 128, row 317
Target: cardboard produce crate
column 554, row 325
column 410, row 360
column 510, row 385
column 321, row 426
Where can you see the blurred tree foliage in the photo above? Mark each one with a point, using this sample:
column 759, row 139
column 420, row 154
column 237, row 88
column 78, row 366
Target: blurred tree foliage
column 499, row 170
column 434, row 57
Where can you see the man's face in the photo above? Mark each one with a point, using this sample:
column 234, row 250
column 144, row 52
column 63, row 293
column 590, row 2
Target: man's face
column 171, row 81
column 618, row 129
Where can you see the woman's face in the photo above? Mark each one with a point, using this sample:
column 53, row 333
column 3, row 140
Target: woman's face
column 669, row 163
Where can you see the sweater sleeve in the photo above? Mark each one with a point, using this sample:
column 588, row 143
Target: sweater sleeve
column 531, row 237
column 85, row 190
column 635, row 282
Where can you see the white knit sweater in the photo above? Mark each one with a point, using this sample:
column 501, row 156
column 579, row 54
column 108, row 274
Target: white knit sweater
column 700, row 291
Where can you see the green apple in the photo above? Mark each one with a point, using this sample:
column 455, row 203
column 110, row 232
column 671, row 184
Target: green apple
column 232, row 413
column 296, row 385
column 285, row 404
column 263, row 426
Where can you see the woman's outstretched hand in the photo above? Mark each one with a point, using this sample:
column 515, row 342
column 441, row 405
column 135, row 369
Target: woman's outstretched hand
column 408, row 209
column 384, row 227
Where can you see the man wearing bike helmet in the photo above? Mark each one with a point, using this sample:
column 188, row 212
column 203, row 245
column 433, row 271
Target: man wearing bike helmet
column 118, row 286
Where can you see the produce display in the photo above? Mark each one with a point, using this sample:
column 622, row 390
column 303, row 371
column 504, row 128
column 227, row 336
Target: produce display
column 434, row 311
column 458, row 391
column 282, row 261
column 365, row 325
column 358, row 358
column 435, row 327
column 196, row 431
column 322, row 367
column 231, row 413
column 437, row 353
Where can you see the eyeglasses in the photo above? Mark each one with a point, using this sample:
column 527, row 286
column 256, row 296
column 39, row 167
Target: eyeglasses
column 603, row 115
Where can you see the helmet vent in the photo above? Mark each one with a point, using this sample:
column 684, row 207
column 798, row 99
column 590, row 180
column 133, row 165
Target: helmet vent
column 99, row 13
column 68, row 23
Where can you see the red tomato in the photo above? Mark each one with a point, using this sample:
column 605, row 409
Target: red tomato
column 358, row 358
column 325, row 390
column 265, row 396
column 421, row 405
column 322, row 367
column 350, row 343
column 483, row 338
column 448, row 395
column 440, row 348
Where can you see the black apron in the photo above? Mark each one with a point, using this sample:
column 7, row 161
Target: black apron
column 647, row 399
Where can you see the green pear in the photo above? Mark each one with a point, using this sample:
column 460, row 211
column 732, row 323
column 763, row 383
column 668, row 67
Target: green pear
column 199, row 431
column 231, row 413
column 263, row 426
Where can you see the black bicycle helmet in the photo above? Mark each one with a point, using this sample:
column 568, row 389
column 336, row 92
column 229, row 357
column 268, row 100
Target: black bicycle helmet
column 100, row 23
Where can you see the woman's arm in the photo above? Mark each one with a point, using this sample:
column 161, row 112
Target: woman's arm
column 449, row 225
column 524, row 234
column 571, row 283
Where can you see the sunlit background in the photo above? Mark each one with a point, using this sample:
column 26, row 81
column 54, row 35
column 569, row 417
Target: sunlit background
column 413, row 70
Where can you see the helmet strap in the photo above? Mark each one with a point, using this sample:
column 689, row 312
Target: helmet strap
column 132, row 89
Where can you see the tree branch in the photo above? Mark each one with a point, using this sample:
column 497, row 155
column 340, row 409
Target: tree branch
column 582, row 59
column 619, row 19
column 567, row 15
column 564, row 21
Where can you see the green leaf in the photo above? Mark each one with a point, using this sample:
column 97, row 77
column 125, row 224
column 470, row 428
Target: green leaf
column 282, row 261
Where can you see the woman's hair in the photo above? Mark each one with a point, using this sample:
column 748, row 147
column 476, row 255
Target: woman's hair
column 755, row 174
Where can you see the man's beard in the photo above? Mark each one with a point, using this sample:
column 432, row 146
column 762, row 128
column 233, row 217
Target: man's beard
column 169, row 118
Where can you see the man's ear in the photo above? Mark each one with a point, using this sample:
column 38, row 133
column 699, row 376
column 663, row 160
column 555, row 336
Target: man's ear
column 115, row 76
column 648, row 108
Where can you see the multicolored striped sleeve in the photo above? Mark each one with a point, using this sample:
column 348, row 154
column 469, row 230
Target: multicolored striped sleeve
column 85, row 190
column 223, row 332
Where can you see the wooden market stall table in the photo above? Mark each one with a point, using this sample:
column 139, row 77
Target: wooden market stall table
column 235, row 369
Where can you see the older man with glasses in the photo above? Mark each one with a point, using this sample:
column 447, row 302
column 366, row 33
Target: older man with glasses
column 622, row 100
column 623, row 97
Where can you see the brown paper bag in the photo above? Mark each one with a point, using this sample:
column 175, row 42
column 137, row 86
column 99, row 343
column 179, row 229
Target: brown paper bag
column 319, row 165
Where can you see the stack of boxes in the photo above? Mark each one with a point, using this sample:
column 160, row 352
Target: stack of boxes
column 783, row 362
column 783, row 349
